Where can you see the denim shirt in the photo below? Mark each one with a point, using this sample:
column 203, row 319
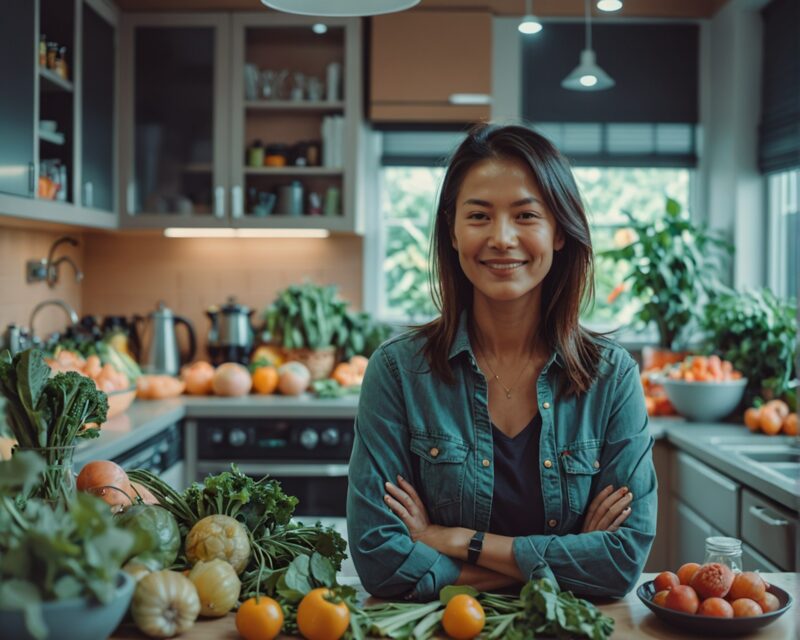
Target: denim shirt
column 439, row 437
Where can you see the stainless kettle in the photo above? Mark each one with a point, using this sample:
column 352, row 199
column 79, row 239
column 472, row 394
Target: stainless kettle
column 230, row 338
column 156, row 341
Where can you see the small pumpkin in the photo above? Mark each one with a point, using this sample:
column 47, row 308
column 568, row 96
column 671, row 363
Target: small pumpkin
column 217, row 585
column 160, row 526
column 165, row 604
column 219, row 536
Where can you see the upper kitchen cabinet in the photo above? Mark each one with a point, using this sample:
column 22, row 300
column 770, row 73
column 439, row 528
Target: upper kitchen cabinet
column 296, row 124
column 51, row 146
column 414, row 75
column 174, row 112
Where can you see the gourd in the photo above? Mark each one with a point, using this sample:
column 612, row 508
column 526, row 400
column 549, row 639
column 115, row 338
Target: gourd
column 219, row 536
column 217, row 585
column 165, row 604
column 160, row 526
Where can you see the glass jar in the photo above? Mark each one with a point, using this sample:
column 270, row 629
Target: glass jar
column 727, row 551
column 57, row 484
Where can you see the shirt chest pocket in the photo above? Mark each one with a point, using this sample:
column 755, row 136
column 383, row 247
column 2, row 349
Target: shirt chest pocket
column 441, row 469
column 580, row 462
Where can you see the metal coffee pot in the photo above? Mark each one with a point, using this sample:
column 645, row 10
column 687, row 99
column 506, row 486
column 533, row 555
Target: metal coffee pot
column 230, row 338
column 156, row 340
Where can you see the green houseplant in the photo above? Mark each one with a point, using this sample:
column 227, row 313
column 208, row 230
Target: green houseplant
column 757, row 332
column 675, row 265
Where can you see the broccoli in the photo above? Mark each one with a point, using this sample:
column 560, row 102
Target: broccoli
column 73, row 400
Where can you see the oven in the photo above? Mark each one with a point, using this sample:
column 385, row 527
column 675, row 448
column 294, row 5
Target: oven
column 162, row 455
column 308, row 456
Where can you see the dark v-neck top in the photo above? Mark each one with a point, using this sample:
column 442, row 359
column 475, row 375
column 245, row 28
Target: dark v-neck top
column 517, row 503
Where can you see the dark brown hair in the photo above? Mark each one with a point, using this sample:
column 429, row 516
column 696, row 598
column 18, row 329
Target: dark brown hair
column 568, row 285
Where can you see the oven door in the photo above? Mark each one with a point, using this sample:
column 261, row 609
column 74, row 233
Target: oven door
column 320, row 487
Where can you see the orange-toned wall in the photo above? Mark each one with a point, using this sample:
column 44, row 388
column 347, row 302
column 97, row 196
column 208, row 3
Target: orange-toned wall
column 17, row 297
column 127, row 274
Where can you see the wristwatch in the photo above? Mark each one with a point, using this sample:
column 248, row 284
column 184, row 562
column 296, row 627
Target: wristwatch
column 475, row 547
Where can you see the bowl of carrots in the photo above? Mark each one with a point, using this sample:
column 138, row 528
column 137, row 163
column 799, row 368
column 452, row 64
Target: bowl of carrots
column 704, row 388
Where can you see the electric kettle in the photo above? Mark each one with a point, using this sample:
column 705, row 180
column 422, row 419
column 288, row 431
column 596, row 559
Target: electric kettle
column 230, row 338
column 156, row 341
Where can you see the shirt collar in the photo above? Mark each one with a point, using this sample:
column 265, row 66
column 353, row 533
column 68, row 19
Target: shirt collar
column 461, row 343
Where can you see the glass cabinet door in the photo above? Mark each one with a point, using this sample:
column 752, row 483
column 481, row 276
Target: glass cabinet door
column 97, row 117
column 176, row 173
column 18, row 46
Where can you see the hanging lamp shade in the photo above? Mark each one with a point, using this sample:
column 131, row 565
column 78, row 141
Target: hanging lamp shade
column 588, row 76
column 529, row 24
column 340, row 8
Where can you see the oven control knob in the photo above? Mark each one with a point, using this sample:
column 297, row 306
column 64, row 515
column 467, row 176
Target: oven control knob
column 217, row 436
column 330, row 437
column 237, row 437
column 309, row 438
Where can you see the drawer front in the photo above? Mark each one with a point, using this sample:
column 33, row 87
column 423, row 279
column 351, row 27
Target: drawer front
column 707, row 492
column 770, row 529
column 752, row 560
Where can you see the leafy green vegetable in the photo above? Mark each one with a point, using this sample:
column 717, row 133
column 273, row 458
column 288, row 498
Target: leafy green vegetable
column 55, row 552
column 329, row 388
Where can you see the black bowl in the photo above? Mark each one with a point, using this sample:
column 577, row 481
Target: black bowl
column 709, row 625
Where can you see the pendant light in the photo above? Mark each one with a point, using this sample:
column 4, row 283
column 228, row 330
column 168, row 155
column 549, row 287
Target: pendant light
column 340, row 8
column 530, row 23
column 587, row 76
column 609, row 5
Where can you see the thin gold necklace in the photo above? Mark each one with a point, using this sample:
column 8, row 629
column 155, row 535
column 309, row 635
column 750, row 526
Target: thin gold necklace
column 499, row 381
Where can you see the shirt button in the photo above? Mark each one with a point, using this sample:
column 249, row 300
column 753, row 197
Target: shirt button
column 552, row 523
column 548, row 464
column 596, row 464
column 545, row 405
column 434, row 452
column 486, row 462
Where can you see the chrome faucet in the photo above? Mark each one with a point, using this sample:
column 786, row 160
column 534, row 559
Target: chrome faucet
column 52, row 265
column 58, row 302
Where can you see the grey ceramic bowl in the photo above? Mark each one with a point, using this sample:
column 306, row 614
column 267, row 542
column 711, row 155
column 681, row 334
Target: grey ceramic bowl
column 704, row 401
column 74, row 619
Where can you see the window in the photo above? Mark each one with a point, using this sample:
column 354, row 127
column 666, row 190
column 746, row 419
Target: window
column 408, row 201
column 783, row 260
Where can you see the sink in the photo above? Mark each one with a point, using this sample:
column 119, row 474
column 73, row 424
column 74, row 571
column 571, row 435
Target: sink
column 773, row 456
column 779, row 458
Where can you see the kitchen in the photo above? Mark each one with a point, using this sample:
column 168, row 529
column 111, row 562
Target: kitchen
column 204, row 157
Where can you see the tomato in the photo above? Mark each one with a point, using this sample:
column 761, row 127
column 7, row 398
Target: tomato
column 716, row 607
column 463, row 617
column 686, row 572
column 712, row 580
column 745, row 608
column 665, row 581
column 661, row 598
column 259, row 619
column 321, row 619
column 682, row 598
column 747, row 584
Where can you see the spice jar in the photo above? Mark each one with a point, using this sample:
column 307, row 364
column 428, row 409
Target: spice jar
column 43, row 50
column 276, row 155
column 61, row 63
column 727, row 551
column 52, row 54
column 255, row 155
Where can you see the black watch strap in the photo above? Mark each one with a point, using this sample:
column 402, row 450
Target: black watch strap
column 475, row 547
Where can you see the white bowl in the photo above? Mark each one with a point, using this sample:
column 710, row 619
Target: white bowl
column 704, row 401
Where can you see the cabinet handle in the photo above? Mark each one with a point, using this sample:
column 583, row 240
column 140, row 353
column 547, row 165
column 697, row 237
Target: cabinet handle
column 219, row 202
column 760, row 513
column 237, row 206
column 130, row 197
column 470, row 98
column 31, row 179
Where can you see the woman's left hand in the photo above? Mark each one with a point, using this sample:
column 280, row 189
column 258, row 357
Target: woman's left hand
column 405, row 502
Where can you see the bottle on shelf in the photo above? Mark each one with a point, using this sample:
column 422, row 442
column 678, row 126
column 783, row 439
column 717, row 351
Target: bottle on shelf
column 43, row 50
column 61, row 63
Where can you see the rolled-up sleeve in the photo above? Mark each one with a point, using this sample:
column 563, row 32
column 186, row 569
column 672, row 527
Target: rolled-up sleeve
column 601, row 563
column 388, row 562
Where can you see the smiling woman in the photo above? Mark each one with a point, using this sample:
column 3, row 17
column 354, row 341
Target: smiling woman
column 502, row 441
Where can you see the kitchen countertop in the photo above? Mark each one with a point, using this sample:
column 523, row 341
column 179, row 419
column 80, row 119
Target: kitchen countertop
column 632, row 620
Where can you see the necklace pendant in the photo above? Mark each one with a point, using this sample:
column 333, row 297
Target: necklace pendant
column 508, row 395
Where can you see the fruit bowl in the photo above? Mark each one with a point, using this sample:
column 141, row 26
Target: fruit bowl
column 119, row 401
column 709, row 625
column 704, row 401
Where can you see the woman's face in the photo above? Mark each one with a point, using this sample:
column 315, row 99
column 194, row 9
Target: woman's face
column 504, row 233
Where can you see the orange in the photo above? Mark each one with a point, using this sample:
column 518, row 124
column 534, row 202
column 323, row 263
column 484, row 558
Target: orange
column 716, row 607
column 747, row 585
column 265, row 380
column 661, row 598
column 770, row 420
column 745, row 608
column 779, row 405
column 790, row 425
column 463, row 617
column 687, row 571
column 321, row 619
column 752, row 418
column 259, row 619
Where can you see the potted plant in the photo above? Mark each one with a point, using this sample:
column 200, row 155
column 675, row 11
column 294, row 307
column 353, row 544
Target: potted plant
column 308, row 321
column 757, row 332
column 675, row 265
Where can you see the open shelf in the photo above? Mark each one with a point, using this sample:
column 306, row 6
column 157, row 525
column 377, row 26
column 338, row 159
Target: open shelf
column 53, row 137
column 320, row 106
column 293, row 171
column 53, row 81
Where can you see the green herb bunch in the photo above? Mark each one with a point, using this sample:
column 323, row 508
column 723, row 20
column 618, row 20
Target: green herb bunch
column 264, row 509
column 757, row 332
column 54, row 553
column 675, row 266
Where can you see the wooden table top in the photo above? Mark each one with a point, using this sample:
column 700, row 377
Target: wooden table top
column 633, row 620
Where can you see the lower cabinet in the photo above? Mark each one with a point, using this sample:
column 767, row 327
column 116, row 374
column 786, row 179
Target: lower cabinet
column 689, row 531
